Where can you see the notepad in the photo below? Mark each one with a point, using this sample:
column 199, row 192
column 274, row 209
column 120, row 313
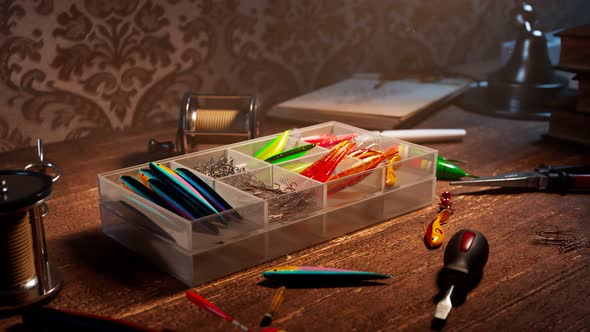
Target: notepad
column 365, row 101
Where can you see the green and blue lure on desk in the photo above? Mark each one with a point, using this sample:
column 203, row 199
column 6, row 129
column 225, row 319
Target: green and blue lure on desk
column 311, row 274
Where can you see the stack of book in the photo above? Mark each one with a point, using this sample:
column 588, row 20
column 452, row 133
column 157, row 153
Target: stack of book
column 573, row 124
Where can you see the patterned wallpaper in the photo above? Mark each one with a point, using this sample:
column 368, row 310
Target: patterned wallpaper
column 72, row 68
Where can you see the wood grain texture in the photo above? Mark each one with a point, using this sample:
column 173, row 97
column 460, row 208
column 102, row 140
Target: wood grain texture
column 525, row 286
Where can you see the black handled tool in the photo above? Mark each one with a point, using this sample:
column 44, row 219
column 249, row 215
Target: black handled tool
column 465, row 256
column 562, row 179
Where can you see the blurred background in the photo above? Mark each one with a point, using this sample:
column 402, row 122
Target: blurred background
column 71, row 69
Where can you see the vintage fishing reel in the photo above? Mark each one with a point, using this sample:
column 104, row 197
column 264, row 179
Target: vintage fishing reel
column 211, row 119
column 27, row 275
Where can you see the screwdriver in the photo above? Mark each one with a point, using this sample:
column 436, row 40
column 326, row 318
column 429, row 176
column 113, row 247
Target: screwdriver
column 465, row 256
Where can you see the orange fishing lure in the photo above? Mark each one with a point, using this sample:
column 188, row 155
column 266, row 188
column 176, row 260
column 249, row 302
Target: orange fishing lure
column 435, row 234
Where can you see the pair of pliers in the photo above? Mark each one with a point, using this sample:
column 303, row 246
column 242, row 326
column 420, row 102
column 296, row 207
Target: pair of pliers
column 561, row 179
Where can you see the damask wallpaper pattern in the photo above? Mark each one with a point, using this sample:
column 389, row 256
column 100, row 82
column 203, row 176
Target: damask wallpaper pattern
column 71, row 68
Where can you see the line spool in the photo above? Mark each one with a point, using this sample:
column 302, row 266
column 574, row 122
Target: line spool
column 29, row 277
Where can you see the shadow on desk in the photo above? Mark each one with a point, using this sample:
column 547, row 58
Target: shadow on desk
column 96, row 252
column 562, row 144
column 482, row 191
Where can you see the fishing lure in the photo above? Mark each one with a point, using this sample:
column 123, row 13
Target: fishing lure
column 363, row 165
column 161, row 194
column 274, row 146
column 134, row 185
column 296, row 167
column 323, row 168
column 181, row 205
column 368, row 161
column 293, row 153
column 434, row 235
column 167, row 175
column 364, row 153
column 446, row 170
column 392, row 152
column 323, row 161
column 324, row 140
column 144, row 175
column 295, row 274
column 446, row 203
column 390, row 177
column 210, row 195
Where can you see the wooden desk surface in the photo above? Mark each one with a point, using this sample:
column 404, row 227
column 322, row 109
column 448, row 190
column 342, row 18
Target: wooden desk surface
column 524, row 287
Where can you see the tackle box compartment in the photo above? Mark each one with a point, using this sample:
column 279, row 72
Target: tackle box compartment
column 260, row 229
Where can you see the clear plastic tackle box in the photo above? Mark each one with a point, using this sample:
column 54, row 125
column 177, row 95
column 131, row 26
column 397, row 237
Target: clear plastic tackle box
column 303, row 212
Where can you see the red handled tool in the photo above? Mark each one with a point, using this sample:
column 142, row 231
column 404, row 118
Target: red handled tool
column 203, row 303
column 465, row 257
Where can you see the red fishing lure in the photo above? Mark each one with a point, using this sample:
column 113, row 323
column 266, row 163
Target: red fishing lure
column 328, row 139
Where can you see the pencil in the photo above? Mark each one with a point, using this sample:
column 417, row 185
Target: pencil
column 425, row 135
column 274, row 306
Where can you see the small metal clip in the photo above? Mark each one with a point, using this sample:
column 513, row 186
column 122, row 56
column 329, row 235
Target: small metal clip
column 575, row 244
column 565, row 241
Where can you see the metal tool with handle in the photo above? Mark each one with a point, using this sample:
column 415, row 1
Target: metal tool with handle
column 562, row 179
column 465, row 257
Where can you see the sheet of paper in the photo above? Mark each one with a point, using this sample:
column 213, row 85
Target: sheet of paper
column 391, row 99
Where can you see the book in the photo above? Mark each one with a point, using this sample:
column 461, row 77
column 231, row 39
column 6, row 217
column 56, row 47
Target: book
column 366, row 101
column 570, row 125
column 575, row 48
column 571, row 122
column 575, row 58
column 583, row 102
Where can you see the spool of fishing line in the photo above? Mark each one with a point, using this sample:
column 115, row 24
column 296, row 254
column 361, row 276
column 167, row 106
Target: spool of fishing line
column 211, row 119
column 27, row 276
column 216, row 119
